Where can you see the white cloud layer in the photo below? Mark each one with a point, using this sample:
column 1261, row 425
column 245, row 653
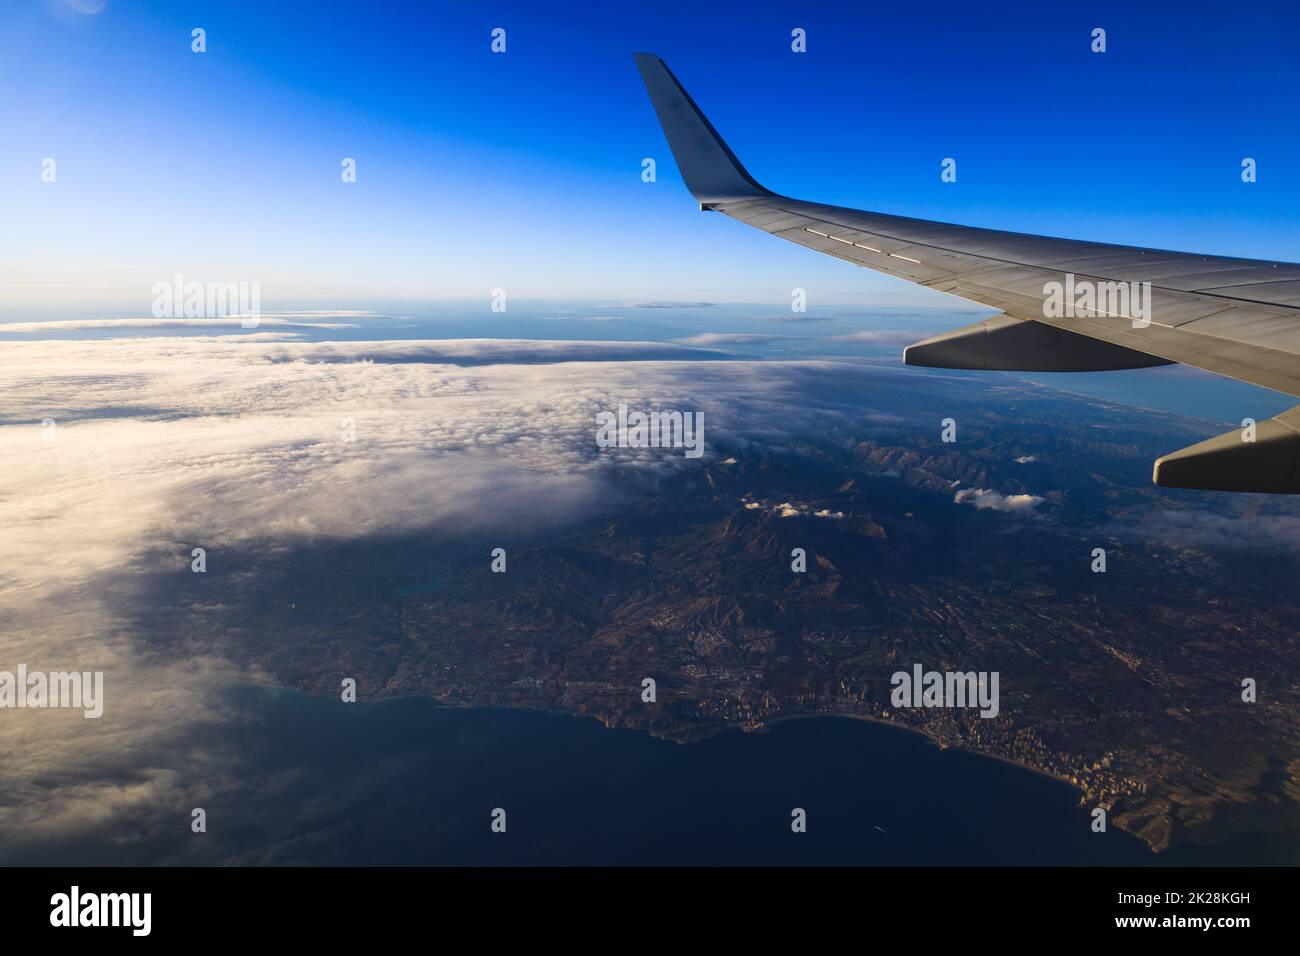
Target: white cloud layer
column 278, row 320
column 730, row 338
column 983, row 498
column 159, row 441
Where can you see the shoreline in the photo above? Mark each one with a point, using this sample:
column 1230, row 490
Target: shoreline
column 881, row 722
column 706, row 730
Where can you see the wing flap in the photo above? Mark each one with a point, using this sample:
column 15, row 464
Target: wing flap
column 1265, row 458
column 1007, row 344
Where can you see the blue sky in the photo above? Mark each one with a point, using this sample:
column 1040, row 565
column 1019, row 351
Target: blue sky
column 522, row 170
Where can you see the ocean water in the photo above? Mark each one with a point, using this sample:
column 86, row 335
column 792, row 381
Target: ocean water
column 407, row 782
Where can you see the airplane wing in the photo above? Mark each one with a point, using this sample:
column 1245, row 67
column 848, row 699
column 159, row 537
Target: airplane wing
column 1064, row 304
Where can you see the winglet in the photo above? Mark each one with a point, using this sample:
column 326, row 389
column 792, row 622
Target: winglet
column 710, row 169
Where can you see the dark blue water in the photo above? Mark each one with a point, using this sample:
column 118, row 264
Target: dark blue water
column 406, row 782
column 291, row 780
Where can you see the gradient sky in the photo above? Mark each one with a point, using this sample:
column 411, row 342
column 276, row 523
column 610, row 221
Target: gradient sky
column 522, row 170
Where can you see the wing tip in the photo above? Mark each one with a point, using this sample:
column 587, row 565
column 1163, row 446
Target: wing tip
column 711, row 171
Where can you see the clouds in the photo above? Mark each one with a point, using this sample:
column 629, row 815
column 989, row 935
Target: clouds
column 876, row 337
column 1242, row 529
column 277, row 320
column 882, row 336
column 983, row 498
column 790, row 509
column 237, row 438
column 161, row 445
column 167, row 439
column 490, row 352
column 665, row 304
column 729, row 338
